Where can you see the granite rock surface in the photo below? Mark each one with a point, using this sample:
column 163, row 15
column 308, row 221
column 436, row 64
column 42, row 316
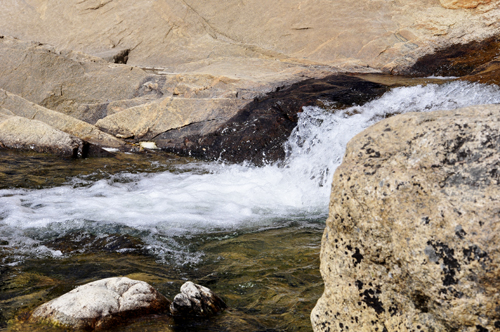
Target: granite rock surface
column 412, row 238
column 251, row 38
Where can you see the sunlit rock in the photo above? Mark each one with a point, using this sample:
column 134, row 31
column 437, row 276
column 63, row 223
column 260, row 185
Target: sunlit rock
column 148, row 145
column 178, row 73
column 455, row 4
column 101, row 304
column 196, row 301
column 412, row 240
column 16, row 105
column 25, row 134
column 250, row 39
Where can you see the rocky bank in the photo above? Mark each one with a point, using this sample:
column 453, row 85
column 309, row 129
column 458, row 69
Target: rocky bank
column 412, row 239
column 181, row 72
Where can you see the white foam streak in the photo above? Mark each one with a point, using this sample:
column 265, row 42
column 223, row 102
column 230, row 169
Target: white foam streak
column 218, row 197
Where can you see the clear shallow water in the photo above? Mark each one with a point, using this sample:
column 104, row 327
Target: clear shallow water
column 209, row 198
column 209, row 222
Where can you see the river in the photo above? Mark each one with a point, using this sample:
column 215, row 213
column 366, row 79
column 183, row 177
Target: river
column 252, row 234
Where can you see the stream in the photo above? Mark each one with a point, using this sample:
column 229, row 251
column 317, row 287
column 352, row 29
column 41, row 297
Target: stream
column 251, row 234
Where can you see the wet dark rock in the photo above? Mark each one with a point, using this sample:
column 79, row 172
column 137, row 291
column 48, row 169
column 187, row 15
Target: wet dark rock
column 3, row 321
column 458, row 59
column 257, row 132
column 488, row 73
column 196, row 301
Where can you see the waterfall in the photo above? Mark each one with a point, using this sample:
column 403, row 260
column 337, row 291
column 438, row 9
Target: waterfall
column 213, row 198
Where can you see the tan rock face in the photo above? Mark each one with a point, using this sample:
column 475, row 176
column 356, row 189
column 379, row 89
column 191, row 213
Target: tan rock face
column 149, row 120
column 125, row 65
column 25, row 134
column 23, row 108
column 62, row 80
column 412, row 240
column 235, row 38
column 455, row 4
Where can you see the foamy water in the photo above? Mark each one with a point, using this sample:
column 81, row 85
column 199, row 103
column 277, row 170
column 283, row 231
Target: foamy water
column 213, row 197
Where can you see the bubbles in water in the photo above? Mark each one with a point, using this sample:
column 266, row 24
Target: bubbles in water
column 215, row 197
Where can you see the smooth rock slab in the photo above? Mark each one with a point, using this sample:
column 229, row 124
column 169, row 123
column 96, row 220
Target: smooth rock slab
column 196, row 301
column 25, row 134
column 101, row 304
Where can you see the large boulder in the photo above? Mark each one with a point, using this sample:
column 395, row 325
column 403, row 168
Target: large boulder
column 101, row 304
column 412, row 241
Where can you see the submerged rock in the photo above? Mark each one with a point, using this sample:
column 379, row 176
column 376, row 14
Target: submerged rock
column 196, row 301
column 412, row 241
column 84, row 242
column 101, row 304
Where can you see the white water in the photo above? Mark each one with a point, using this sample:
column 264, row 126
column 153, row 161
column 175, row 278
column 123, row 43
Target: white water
column 216, row 197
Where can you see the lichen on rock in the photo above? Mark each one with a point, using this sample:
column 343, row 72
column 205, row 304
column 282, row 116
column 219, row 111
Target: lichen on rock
column 412, row 238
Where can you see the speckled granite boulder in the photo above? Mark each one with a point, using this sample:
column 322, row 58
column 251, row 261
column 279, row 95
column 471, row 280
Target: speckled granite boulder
column 101, row 304
column 412, row 242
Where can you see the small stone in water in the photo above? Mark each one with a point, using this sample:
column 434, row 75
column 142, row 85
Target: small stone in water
column 148, row 145
column 196, row 300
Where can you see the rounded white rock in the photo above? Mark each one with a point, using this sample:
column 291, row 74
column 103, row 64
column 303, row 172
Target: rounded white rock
column 99, row 304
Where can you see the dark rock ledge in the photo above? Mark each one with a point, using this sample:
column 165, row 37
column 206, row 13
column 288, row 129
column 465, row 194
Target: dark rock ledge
column 257, row 132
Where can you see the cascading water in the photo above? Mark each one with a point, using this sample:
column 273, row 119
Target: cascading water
column 215, row 198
